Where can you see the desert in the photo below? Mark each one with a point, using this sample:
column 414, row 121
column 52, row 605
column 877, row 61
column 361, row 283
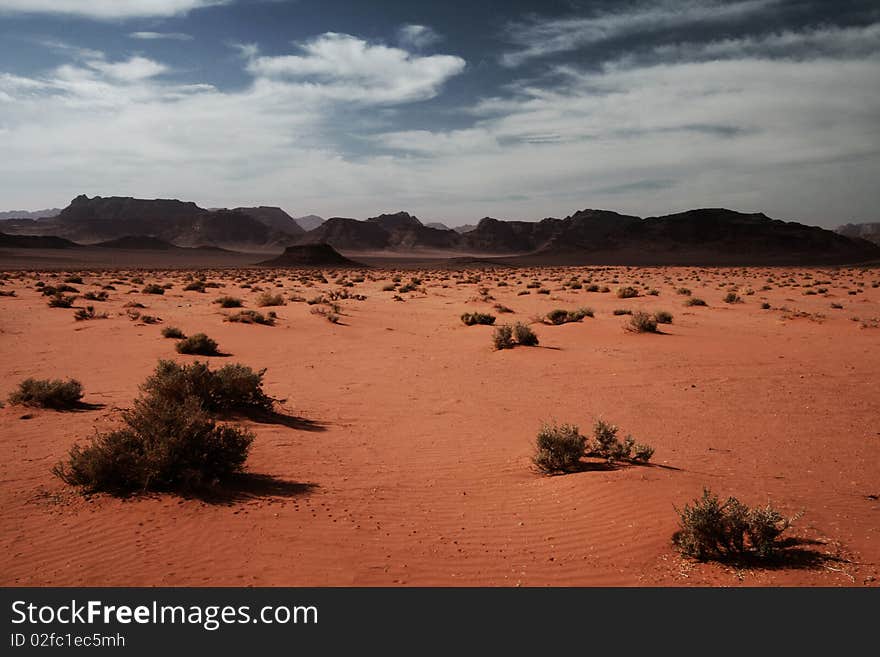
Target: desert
column 400, row 450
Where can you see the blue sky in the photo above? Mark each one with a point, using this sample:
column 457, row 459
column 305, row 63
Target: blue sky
column 452, row 111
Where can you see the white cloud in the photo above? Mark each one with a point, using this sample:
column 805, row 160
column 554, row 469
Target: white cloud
column 155, row 36
column 417, row 36
column 131, row 70
column 106, row 9
column 542, row 37
column 346, row 68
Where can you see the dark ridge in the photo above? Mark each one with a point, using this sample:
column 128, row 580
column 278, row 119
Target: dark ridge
column 36, row 242
column 144, row 242
column 310, row 255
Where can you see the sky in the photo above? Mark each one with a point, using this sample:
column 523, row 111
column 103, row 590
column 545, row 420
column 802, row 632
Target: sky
column 450, row 110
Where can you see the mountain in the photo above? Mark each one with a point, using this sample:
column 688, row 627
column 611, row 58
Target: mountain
column 274, row 218
column 34, row 214
column 466, row 228
column 309, row 222
column 180, row 223
column 139, row 242
column 438, row 225
column 867, row 231
column 35, row 242
column 387, row 232
column 310, row 255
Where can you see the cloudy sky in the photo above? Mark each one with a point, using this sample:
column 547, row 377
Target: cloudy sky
column 451, row 110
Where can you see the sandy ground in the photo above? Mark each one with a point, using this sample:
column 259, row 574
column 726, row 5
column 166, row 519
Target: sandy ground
column 409, row 460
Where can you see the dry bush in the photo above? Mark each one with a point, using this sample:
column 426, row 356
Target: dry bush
column 558, row 448
column 45, row 393
column 198, row 344
column 470, row 319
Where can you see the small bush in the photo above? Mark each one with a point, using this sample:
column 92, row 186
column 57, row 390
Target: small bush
column 470, row 319
column 641, row 322
column 627, row 292
column 96, row 296
column 663, row 317
column 152, row 288
column 501, row 308
column 198, row 344
column 61, row 301
column 173, row 332
column 166, row 444
column 230, row 388
column 45, row 393
column 621, row 311
column 502, row 338
column 694, row 301
column 228, row 302
column 562, row 316
column 732, row 297
column 524, row 335
column 269, row 299
column 607, row 445
column 765, row 306
column 88, row 313
column 558, row 448
column 195, row 286
column 711, row 529
column 251, row 317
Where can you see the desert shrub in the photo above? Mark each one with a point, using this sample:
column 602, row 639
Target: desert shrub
column 502, row 337
column 470, row 319
column 524, row 335
column 732, row 297
column 389, row 287
column 251, row 317
column 684, row 291
column 694, row 301
column 74, row 279
column 606, row 445
column 642, row 452
column 663, row 317
column 166, row 444
column 330, row 314
column 562, row 316
column 198, row 344
column 558, row 448
column 232, row 387
column 269, row 299
column 173, row 332
column 194, row 286
column 61, row 301
column 96, row 296
column 152, row 288
column 88, row 313
column 542, row 290
column 45, row 393
column 765, row 306
column 228, row 302
column 627, row 292
column 641, row 322
column 711, row 529
column 621, row 311
column 501, row 308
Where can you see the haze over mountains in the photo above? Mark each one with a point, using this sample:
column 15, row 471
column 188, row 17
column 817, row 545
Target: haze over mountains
column 702, row 236
column 867, row 231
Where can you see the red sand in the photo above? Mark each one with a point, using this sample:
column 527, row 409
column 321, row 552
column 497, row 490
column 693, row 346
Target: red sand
column 419, row 469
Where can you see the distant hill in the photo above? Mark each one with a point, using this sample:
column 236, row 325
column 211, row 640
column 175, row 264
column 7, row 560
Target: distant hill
column 309, row 222
column 438, row 225
column 395, row 232
column 310, row 255
column 466, row 228
column 179, row 223
column 274, row 218
column 32, row 214
column 866, row 231
column 35, row 242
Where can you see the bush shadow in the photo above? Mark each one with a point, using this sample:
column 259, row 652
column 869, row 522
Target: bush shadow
column 248, row 486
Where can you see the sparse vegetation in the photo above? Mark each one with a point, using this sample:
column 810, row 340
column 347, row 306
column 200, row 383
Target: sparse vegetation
column 558, row 448
column 524, row 335
column 269, row 299
column 152, row 288
column 502, row 337
column 44, row 393
column 252, row 317
column 711, row 529
column 228, row 302
column 562, row 316
column 627, row 292
column 198, row 344
column 694, row 301
column 641, row 322
column 470, row 319
column 732, row 297
column 172, row 332
column 663, row 317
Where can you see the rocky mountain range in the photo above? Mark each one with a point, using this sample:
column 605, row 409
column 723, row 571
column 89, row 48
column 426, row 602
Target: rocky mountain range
column 867, row 231
column 703, row 236
column 30, row 214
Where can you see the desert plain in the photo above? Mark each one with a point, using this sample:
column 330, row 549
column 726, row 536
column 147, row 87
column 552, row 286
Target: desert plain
column 401, row 452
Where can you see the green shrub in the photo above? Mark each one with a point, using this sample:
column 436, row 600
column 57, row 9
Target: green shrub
column 502, row 337
column 710, row 529
column 641, row 322
column 45, row 393
column 558, row 448
column 607, row 445
column 165, row 445
column 228, row 302
column 470, row 319
column 172, row 332
column 198, row 344
column 524, row 335
column 230, row 388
